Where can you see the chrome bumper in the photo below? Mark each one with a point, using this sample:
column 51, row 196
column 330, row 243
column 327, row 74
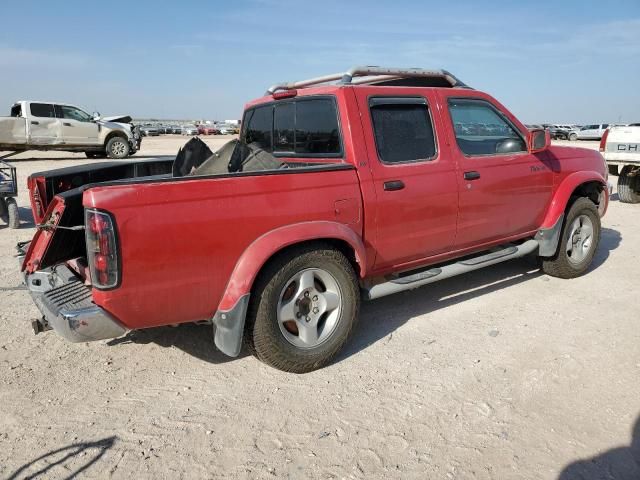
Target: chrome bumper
column 66, row 307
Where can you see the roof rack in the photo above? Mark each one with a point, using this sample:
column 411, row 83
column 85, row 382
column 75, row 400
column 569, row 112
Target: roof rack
column 373, row 75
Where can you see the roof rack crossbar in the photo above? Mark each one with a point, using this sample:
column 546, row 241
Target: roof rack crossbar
column 370, row 74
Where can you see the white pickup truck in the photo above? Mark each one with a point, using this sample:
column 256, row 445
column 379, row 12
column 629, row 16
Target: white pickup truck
column 57, row 126
column 620, row 147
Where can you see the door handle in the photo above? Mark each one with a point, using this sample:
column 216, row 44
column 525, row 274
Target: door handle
column 393, row 185
column 34, row 122
column 66, row 124
column 473, row 175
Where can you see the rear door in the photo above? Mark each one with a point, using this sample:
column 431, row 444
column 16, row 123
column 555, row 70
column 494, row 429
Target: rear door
column 44, row 127
column 414, row 178
column 504, row 190
column 78, row 127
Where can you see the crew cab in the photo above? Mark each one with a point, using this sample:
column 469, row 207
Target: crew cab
column 620, row 146
column 59, row 126
column 348, row 186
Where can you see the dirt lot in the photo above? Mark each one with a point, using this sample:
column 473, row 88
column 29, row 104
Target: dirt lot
column 501, row 374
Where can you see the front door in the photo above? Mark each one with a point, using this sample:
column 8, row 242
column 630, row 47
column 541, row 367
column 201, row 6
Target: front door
column 43, row 127
column 415, row 180
column 78, row 128
column 504, row 190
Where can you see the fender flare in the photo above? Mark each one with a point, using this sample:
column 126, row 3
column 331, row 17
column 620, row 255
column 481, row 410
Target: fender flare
column 565, row 190
column 264, row 247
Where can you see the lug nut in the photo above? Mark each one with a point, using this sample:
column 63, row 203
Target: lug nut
column 308, row 318
column 315, row 310
column 315, row 298
column 306, row 294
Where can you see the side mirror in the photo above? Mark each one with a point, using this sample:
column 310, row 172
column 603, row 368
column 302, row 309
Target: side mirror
column 538, row 140
column 96, row 116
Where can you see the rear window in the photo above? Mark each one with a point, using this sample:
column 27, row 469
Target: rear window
column 300, row 128
column 403, row 129
column 42, row 110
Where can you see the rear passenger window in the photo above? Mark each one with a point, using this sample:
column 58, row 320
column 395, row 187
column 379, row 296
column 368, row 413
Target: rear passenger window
column 43, row 110
column 403, row 129
column 305, row 127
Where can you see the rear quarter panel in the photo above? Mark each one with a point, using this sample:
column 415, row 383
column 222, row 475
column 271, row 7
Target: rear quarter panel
column 13, row 130
column 180, row 240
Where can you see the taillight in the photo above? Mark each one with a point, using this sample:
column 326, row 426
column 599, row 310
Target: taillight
column 102, row 249
column 603, row 140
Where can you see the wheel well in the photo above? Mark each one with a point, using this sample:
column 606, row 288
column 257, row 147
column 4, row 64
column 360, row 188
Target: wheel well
column 114, row 134
column 590, row 190
column 338, row 244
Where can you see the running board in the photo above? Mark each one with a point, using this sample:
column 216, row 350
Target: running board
column 436, row 274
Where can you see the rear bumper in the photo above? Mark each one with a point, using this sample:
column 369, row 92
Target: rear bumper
column 67, row 308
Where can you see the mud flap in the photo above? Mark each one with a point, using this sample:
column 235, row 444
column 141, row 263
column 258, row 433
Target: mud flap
column 229, row 327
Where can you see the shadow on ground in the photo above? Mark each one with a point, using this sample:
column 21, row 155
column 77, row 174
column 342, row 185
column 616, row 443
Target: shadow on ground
column 621, row 463
column 71, row 460
column 380, row 317
column 194, row 339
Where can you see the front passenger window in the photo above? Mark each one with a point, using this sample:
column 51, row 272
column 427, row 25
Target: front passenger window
column 482, row 130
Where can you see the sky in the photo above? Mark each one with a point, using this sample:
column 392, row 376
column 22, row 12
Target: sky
column 560, row 61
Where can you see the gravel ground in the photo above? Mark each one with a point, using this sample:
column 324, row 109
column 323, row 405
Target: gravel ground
column 504, row 373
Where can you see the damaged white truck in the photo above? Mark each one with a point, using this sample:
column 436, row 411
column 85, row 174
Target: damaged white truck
column 57, row 126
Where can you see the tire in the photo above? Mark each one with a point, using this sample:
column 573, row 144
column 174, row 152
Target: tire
column 574, row 258
column 117, row 147
column 573, row 137
column 296, row 279
column 629, row 186
column 13, row 213
column 3, row 208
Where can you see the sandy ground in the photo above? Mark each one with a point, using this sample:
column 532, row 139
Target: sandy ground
column 504, row 373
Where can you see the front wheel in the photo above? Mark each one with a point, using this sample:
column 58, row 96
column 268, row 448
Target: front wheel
column 578, row 242
column 304, row 309
column 573, row 137
column 117, row 147
column 629, row 185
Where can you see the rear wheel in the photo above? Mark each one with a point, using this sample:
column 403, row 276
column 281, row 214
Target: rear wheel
column 578, row 242
column 117, row 147
column 629, row 185
column 304, row 309
column 13, row 213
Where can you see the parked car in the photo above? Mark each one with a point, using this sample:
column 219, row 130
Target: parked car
column 589, row 132
column 60, row 126
column 368, row 191
column 149, row 131
column 189, row 130
column 559, row 132
column 208, row 130
column 620, row 146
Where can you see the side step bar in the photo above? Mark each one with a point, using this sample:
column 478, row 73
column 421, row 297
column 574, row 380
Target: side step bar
column 451, row 270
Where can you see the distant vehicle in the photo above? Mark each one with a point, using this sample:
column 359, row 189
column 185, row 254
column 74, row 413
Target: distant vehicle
column 187, row 130
column 533, row 126
column 620, row 146
column 8, row 193
column 176, row 129
column 60, row 126
column 588, row 132
column 208, row 130
column 559, row 131
column 149, row 131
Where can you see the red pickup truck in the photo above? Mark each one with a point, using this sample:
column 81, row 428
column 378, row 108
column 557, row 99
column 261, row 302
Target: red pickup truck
column 349, row 186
